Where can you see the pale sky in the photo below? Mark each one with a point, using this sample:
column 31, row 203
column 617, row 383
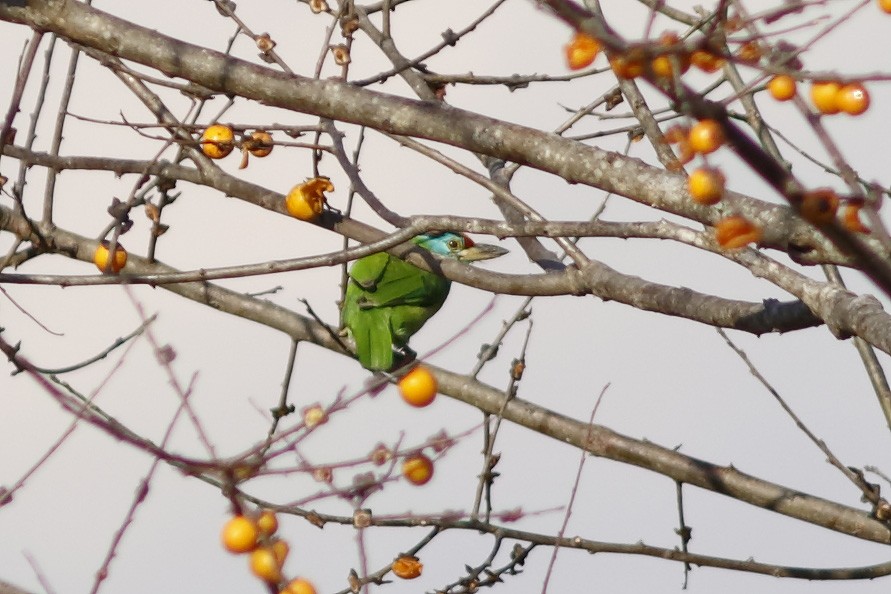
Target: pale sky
column 671, row 381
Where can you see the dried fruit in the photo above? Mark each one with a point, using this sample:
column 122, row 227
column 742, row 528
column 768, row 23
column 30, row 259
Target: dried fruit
column 749, row 53
column 318, row 6
column 341, row 54
column 306, row 201
column 380, row 455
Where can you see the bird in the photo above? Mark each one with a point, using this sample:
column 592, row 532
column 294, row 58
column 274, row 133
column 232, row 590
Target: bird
column 387, row 299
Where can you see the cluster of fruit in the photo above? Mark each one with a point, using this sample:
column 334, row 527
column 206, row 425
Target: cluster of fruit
column 667, row 58
column 218, row 140
column 256, row 535
column 305, row 201
column 418, row 388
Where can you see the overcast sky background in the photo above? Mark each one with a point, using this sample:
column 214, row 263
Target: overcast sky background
column 670, row 381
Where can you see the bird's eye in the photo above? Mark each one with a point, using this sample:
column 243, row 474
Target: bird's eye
column 453, row 244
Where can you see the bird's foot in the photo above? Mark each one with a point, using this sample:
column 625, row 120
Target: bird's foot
column 402, row 356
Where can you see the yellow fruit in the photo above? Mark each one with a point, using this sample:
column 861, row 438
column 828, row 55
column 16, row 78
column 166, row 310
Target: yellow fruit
column 314, row 415
column 299, row 586
column 418, row 387
column 407, row 567
column 736, row 232
column 280, row 549
column 418, row 469
column 260, row 143
column 240, row 535
column 853, row 99
column 581, row 51
column 101, row 257
column 664, row 66
column 306, row 201
column 267, row 523
column 264, row 564
column 824, row 96
column 885, row 5
column 705, row 137
column 706, row 185
column 781, row 87
column 217, row 141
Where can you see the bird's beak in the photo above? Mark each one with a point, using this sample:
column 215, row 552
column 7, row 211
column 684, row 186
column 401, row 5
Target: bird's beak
column 480, row 251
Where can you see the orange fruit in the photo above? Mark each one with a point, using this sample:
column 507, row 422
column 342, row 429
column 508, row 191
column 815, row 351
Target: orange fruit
column 267, row 523
column 885, row 5
column 853, row 99
column 418, row 387
column 819, row 206
column 706, row 185
column 217, row 141
column 706, row 61
column 581, row 51
column 705, row 137
column 260, row 143
column 418, row 469
column 280, row 549
column 851, row 218
column 781, row 87
column 306, row 201
column 736, row 232
column 264, row 564
column 628, row 65
column 102, row 255
column 407, row 567
column 299, row 586
column 824, row 96
column 663, row 66
column 240, row 535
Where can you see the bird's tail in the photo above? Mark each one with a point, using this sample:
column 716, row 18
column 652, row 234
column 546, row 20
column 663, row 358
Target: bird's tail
column 374, row 339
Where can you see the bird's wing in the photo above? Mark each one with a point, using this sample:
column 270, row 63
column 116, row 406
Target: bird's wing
column 367, row 271
column 400, row 283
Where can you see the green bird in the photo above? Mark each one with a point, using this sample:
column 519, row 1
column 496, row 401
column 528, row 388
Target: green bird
column 387, row 299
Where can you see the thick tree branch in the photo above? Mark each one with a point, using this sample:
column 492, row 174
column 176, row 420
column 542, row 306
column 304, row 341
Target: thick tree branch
column 337, row 100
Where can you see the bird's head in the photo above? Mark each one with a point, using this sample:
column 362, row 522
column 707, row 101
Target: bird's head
column 458, row 246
